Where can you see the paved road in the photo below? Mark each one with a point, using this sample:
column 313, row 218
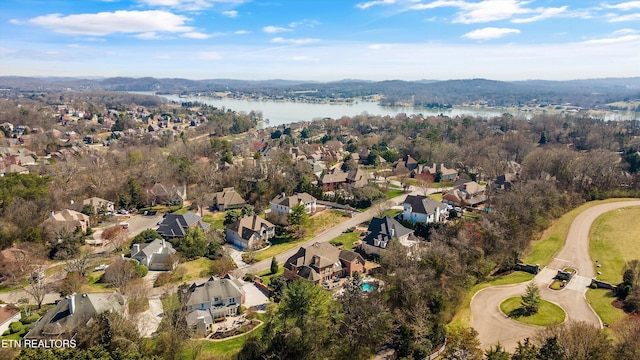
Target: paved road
column 493, row 326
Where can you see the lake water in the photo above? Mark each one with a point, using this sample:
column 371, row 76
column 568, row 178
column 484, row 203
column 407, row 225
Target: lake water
column 284, row 112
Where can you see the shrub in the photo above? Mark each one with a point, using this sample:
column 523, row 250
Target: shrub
column 16, row 327
column 31, row 319
column 7, row 332
column 112, row 232
column 162, row 279
column 142, row 270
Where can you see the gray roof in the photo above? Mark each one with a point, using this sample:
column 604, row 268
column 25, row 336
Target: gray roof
column 59, row 320
column 318, row 255
column 423, row 204
column 292, row 200
column 194, row 317
column 158, row 251
column 175, row 225
column 226, row 288
column 249, row 225
column 381, row 229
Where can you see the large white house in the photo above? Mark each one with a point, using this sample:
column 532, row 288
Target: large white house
column 281, row 205
column 216, row 298
column 418, row 208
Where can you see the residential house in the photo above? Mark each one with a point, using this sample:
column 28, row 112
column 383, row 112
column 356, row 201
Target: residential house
column 167, row 194
column 381, row 231
column 281, row 205
column 68, row 219
column 322, row 262
column 99, row 205
column 8, row 313
column 227, row 199
column 336, row 178
column 73, row 312
column 250, row 231
column 13, row 169
column 504, row 182
column 406, row 164
column 423, row 209
column 431, row 171
column 216, row 298
column 157, row 255
column 176, row 225
column 465, row 193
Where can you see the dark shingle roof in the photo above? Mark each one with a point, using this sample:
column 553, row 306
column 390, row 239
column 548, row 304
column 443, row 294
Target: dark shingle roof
column 175, row 225
column 381, row 229
column 423, row 204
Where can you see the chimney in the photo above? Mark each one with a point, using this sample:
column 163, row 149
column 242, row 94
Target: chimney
column 283, row 195
column 163, row 243
column 72, row 303
column 51, row 213
column 136, row 249
column 392, row 232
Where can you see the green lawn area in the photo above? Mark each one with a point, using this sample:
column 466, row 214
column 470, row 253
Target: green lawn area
column 392, row 212
column 93, row 285
column 266, row 275
column 216, row 219
column 223, row 350
column 317, row 224
column 463, row 317
column 180, row 211
column 541, row 251
column 436, row 196
column 600, row 300
column 391, row 193
column 346, row 240
column 548, row 313
column 194, row 268
column 614, row 240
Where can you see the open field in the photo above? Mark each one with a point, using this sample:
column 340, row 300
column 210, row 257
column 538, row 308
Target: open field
column 215, row 219
column 615, row 239
column 541, row 251
column 548, row 313
column 267, row 275
column 346, row 240
column 194, row 269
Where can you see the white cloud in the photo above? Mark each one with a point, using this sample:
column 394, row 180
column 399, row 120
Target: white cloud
column 188, row 5
column 195, row 35
column 293, row 41
column 630, row 17
column 150, row 35
column 122, row 21
column 304, row 22
column 76, row 46
column 231, row 13
column 614, row 40
column 490, row 33
column 490, row 10
column 209, row 55
column 624, row 32
column 368, row 4
column 274, row 29
column 378, row 46
column 545, row 14
column 625, row 6
column 242, row 32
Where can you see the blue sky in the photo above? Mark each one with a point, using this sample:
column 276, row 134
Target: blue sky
column 321, row 39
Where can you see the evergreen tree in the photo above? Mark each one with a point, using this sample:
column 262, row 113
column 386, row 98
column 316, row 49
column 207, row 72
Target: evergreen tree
column 531, row 299
column 274, row 265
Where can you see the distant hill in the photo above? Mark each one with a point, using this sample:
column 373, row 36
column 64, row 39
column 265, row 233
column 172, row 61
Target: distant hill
column 587, row 93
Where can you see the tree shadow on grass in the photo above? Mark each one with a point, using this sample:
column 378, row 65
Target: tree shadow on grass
column 520, row 312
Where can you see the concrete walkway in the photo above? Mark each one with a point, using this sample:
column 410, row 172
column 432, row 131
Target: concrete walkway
column 493, row 326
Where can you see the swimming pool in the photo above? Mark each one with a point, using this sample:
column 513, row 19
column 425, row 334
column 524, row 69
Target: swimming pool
column 369, row 286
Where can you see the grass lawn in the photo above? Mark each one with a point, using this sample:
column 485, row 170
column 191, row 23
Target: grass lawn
column 614, row 240
column 180, row 211
column 317, row 224
column 194, row 268
column 346, row 240
column 463, row 317
column 216, row 219
column 556, row 285
column 93, row 285
column 541, row 251
column 436, row 196
column 392, row 212
column 548, row 313
column 391, row 193
column 266, row 275
column 600, row 300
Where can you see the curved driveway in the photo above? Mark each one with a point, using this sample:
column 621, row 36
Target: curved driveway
column 494, row 327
